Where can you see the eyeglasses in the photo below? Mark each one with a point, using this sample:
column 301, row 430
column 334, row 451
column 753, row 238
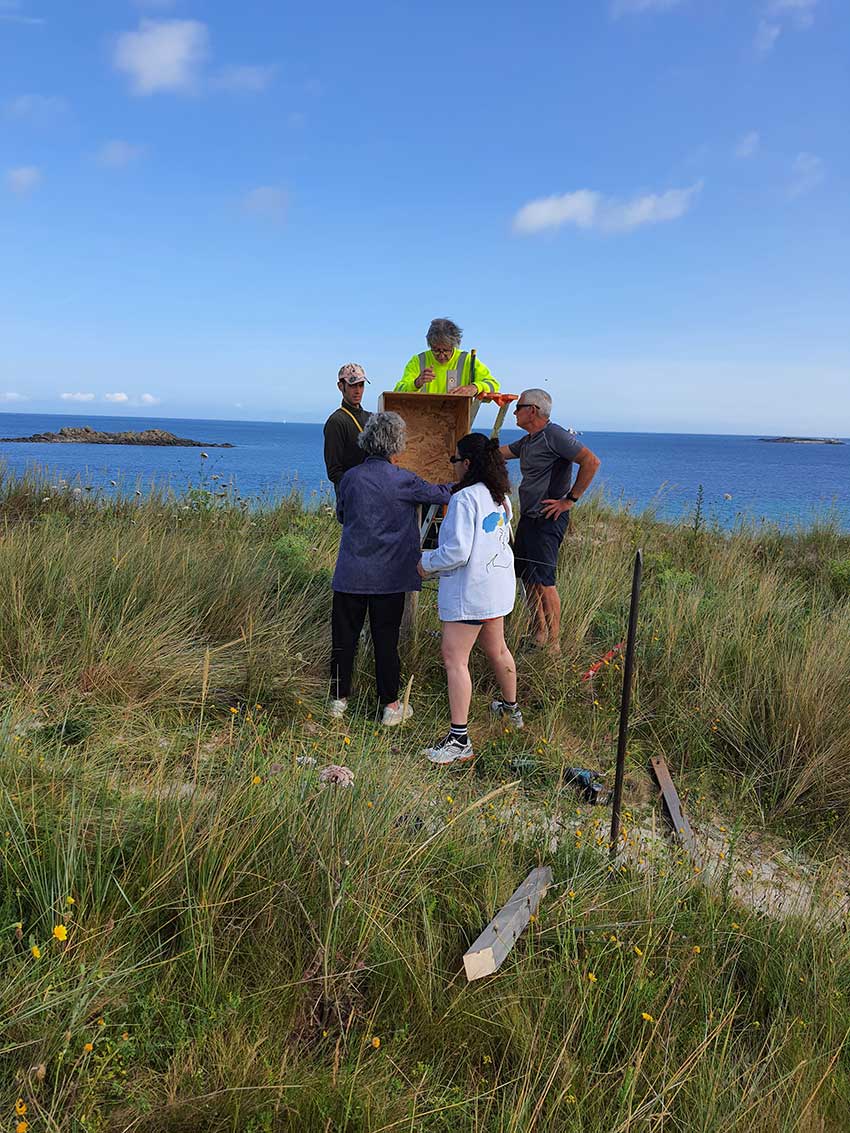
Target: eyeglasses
column 457, row 459
column 525, row 405
column 440, row 351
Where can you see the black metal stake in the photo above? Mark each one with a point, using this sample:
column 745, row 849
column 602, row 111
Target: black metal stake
column 625, row 703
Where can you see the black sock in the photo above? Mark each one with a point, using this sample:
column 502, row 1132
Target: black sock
column 509, row 705
column 459, row 734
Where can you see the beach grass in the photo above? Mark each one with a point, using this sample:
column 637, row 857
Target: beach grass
column 196, row 933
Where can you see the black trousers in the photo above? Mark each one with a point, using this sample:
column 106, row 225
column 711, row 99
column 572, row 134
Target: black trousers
column 347, row 618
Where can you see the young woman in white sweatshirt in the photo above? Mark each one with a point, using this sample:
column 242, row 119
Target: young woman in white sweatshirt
column 475, row 565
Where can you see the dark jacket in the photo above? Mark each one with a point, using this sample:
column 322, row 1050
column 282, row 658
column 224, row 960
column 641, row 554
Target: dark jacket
column 341, row 449
column 379, row 549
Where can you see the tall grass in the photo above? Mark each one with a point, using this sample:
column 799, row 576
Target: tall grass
column 248, row 949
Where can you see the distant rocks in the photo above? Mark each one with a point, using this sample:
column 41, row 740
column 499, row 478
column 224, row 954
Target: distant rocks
column 85, row 435
column 801, row 440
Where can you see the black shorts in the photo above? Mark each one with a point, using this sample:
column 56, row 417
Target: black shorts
column 536, row 546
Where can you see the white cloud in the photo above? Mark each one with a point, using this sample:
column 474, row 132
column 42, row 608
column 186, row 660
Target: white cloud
column 246, row 77
column 77, row 396
column 636, row 7
column 748, row 144
column 779, row 12
column 766, row 36
column 163, row 55
column 11, row 13
column 24, row 179
column 118, row 154
column 148, row 399
column 10, row 395
column 37, row 109
column 116, row 397
column 807, row 173
column 586, row 208
column 267, row 200
column 803, row 11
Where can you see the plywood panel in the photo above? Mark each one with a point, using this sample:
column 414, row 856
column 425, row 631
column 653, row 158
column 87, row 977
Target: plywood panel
column 435, row 423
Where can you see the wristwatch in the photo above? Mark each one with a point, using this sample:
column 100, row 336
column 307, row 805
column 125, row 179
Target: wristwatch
column 571, row 498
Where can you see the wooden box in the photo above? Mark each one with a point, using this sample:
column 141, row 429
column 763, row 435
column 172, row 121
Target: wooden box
column 435, row 423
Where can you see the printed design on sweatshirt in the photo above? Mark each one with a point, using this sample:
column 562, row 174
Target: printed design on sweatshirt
column 497, row 521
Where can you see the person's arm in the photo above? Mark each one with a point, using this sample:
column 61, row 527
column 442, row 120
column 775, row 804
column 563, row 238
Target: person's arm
column 457, row 533
column 513, row 450
column 334, row 446
column 588, row 465
column 484, row 380
column 414, row 490
column 408, row 378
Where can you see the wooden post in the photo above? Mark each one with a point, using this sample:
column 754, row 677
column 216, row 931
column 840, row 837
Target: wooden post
column 486, row 954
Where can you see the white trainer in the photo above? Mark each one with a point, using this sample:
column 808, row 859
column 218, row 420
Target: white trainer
column 449, row 750
column 338, row 708
column 393, row 716
column 513, row 716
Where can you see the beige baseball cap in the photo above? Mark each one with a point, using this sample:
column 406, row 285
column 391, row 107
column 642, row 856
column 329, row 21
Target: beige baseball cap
column 352, row 374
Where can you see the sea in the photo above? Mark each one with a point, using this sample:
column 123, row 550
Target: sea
column 735, row 478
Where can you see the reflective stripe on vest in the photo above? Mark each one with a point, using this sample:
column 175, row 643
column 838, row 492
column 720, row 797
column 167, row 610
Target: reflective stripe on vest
column 454, row 378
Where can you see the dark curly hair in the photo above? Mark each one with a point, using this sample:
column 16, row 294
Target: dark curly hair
column 486, row 466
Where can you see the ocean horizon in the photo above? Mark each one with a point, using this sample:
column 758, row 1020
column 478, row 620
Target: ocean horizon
column 741, row 477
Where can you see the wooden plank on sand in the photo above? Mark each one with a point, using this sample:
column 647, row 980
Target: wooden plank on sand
column 487, row 953
column 672, row 806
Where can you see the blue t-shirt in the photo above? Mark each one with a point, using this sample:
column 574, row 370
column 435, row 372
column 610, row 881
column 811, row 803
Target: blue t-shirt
column 545, row 460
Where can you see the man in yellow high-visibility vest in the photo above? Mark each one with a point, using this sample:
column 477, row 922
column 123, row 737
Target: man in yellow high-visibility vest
column 444, row 367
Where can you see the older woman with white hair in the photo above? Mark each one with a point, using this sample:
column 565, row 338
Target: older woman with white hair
column 378, row 560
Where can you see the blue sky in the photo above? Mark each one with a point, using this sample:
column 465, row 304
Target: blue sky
column 642, row 205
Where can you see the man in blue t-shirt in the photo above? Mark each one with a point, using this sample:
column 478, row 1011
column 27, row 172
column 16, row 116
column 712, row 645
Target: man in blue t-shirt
column 546, row 497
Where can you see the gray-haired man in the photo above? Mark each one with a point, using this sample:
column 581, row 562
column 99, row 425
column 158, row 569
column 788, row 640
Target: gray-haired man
column 547, row 494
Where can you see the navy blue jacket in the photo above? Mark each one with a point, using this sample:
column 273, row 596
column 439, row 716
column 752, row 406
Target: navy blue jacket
column 379, row 549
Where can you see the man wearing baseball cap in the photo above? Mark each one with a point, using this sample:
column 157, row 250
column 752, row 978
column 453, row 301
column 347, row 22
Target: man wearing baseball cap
column 345, row 424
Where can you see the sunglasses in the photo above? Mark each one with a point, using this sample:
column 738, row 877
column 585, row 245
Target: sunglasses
column 457, row 459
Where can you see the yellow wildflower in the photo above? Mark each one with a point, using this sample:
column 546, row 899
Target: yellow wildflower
column 36, row 951
column 571, row 1099
column 235, row 711
column 70, row 901
column 347, row 740
column 450, row 800
column 88, row 1047
column 735, row 925
column 125, row 1035
column 591, row 977
column 376, row 1043
column 647, row 1018
column 101, row 1022
column 637, row 951
column 696, row 950
column 370, row 805
column 22, row 1127
column 20, row 1107
column 60, row 932
column 572, row 894
column 257, row 779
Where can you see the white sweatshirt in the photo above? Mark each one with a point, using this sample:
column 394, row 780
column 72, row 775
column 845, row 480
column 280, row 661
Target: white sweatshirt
column 474, row 558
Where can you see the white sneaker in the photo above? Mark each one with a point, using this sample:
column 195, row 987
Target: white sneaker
column 497, row 708
column 338, row 708
column 449, row 750
column 393, row 716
